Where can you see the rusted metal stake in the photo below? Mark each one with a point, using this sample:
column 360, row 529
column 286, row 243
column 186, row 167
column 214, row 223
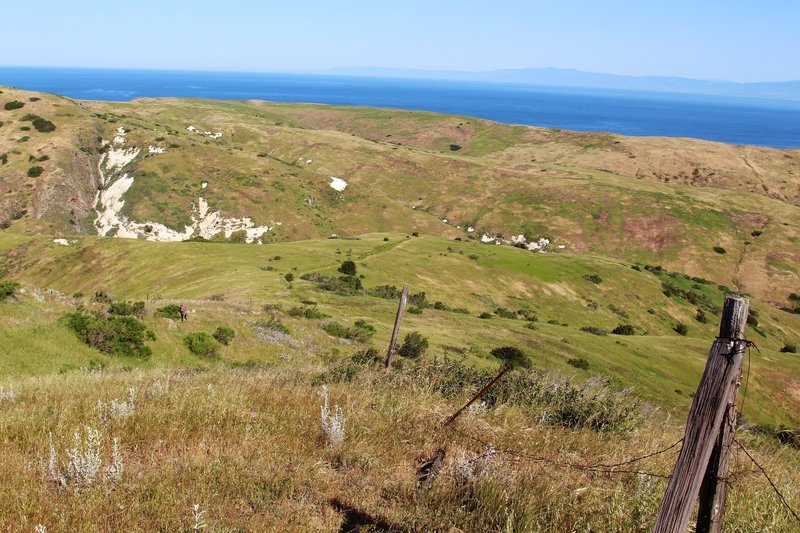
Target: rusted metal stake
column 481, row 392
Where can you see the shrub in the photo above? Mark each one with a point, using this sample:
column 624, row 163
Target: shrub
column 7, row 288
column 289, row 277
column 756, row 233
column 127, row 309
column 720, row 249
column 681, row 329
column 701, row 317
column 485, row 315
column 171, row 311
column 594, row 278
column 624, row 329
column 414, row 310
column 306, row 312
column 512, row 356
column 502, row 312
column 414, row 346
column 579, row 362
column 789, row 348
column 418, row 299
column 201, row 343
column 117, row 335
column 224, row 335
column 455, row 147
column 752, row 317
column 35, row 171
column 594, row 331
column 14, row 104
column 348, row 268
column 389, row 292
column 361, row 331
column 43, row 125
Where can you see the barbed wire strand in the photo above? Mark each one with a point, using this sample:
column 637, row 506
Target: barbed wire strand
column 598, row 467
column 774, row 487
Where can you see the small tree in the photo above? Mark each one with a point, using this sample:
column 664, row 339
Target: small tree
column 414, row 346
column 14, row 104
column 512, row 356
column 35, row 171
column 624, row 329
column 348, row 268
column 681, row 329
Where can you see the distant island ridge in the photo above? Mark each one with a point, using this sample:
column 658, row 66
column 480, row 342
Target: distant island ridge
column 558, row 77
column 764, row 114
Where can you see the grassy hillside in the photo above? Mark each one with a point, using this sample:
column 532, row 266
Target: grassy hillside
column 649, row 200
column 230, row 284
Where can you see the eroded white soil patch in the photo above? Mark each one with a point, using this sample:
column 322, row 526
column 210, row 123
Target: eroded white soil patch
column 338, row 184
column 109, row 204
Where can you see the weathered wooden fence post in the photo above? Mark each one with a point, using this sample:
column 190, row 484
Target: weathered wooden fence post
column 709, row 431
column 401, row 308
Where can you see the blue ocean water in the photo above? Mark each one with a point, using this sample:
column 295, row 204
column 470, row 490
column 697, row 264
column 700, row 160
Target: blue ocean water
column 734, row 120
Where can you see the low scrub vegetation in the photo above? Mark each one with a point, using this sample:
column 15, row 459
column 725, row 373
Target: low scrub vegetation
column 7, row 288
column 202, row 344
column 123, row 336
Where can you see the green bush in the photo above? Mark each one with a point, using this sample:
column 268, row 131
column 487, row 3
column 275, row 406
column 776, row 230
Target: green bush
column 701, row 317
column 624, row 329
column 720, row 249
column 348, row 268
column 289, row 277
column 511, row 356
column 201, row 343
column 43, row 125
column 789, row 348
column 756, row 233
column 7, row 288
column 414, row 346
column 594, row 331
column 171, row 311
column 14, row 104
column 579, row 362
column 593, row 278
column 35, row 171
column 502, row 312
column 122, row 336
column 127, row 309
column 361, row 331
column 485, row 315
column 306, row 312
column 681, row 329
column 224, row 335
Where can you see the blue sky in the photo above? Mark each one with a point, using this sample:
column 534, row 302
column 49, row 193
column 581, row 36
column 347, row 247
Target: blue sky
column 706, row 39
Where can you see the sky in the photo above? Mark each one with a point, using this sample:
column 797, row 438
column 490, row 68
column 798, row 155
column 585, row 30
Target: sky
column 735, row 40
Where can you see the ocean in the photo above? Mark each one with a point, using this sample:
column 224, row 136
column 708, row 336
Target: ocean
column 752, row 121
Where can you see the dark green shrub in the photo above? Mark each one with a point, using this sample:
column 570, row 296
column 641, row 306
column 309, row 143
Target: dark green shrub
column 414, row 310
column 756, row 233
column 579, row 362
column 201, row 343
column 43, row 125
column 624, row 329
column 681, row 329
column 594, row 278
column 502, row 312
column 14, row 104
column 485, row 315
column 102, row 297
column 127, row 309
column 35, row 171
column 701, row 317
column 594, row 331
column 794, row 297
column 414, row 346
column 306, row 312
column 511, row 356
column 361, row 331
column 171, row 311
column 389, row 292
column 289, row 277
column 418, row 299
column 789, row 348
column 752, row 317
column 224, row 335
column 7, row 288
column 348, row 268
column 455, row 147
column 122, row 336
column 720, row 249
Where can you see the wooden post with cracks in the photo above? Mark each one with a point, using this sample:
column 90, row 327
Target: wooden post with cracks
column 703, row 461
column 401, row 308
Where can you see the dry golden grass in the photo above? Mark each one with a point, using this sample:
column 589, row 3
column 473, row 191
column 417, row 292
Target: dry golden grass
column 247, row 446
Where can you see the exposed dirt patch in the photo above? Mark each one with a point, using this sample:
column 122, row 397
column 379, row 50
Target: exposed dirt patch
column 652, row 233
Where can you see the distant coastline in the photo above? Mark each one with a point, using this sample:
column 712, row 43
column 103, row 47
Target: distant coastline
column 733, row 119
